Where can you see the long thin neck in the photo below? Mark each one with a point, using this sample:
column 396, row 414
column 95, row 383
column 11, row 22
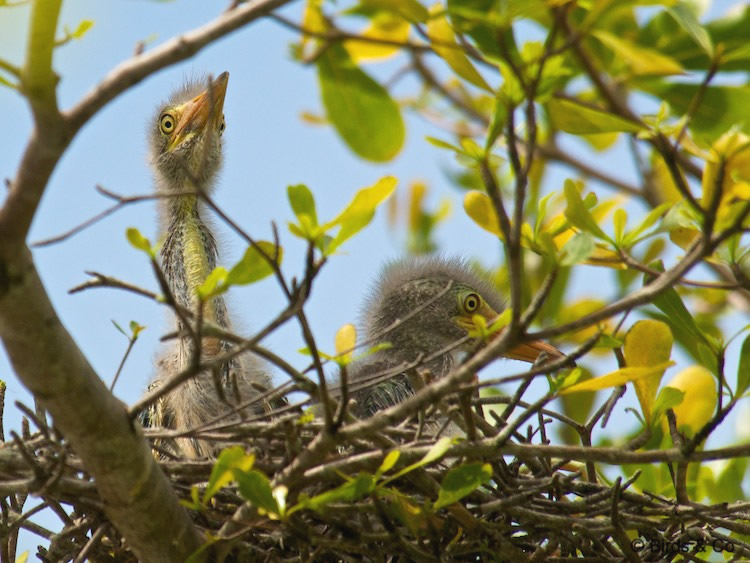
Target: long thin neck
column 188, row 255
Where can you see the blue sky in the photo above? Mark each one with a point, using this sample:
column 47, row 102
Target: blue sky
column 267, row 148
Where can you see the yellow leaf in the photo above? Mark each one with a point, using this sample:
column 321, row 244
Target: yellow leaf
column 579, row 309
column 619, row 377
column 313, row 118
column 699, row 403
column 346, row 338
column 740, row 191
column 418, row 191
column 313, row 20
column 642, row 61
column 479, row 207
column 606, row 257
column 734, row 149
column 601, row 141
column 683, row 236
column 383, row 25
column 663, row 180
column 599, row 213
column 647, row 344
column 444, row 43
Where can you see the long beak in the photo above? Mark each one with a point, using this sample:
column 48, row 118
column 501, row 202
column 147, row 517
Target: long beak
column 202, row 111
column 530, row 351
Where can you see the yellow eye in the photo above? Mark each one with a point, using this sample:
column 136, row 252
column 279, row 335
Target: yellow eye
column 222, row 125
column 471, row 302
column 167, row 123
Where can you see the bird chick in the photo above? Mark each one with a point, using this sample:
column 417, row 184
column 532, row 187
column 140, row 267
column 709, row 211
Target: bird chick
column 185, row 156
column 423, row 307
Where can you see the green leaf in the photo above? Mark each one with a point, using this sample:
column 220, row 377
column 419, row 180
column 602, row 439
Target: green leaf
column 579, row 119
column 641, row 61
column 222, row 471
column 361, row 110
column 195, row 501
column 443, row 144
column 577, row 249
column 214, row 284
column 488, row 23
column 388, row 463
column 135, row 329
column 410, row 10
column 436, row 452
column 359, row 212
column 608, row 341
column 307, row 352
column 138, row 241
column 684, row 16
column 118, row 327
column 668, row 398
column 577, row 406
column 729, row 483
column 303, row 205
column 462, row 480
column 497, row 125
column 82, row 28
column 696, row 348
column 670, row 303
column 256, row 488
column 565, row 380
column 199, row 555
column 253, row 266
column 577, row 213
column 351, row 491
column 8, row 83
column 511, row 91
column 541, row 213
column 651, row 218
column 620, row 221
column 721, row 108
column 444, row 43
column 743, row 370
column 741, row 53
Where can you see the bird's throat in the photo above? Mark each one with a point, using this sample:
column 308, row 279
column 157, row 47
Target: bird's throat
column 188, row 257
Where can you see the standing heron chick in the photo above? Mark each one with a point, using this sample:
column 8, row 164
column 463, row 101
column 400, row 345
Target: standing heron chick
column 422, row 307
column 185, row 155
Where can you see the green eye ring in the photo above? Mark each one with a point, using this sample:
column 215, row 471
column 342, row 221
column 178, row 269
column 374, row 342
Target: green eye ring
column 167, row 123
column 471, row 302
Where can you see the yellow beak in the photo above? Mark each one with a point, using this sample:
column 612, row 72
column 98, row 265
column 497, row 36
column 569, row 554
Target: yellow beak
column 202, row 111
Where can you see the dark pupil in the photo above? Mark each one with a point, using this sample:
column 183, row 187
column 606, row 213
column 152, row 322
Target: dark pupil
column 167, row 124
column 471, row 303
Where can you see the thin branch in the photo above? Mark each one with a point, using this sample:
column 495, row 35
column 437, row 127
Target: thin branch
column 122, row 201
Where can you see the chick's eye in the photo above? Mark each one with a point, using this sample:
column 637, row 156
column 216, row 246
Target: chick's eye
column 471, row 302
column 222, row 125
column 166, row 123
